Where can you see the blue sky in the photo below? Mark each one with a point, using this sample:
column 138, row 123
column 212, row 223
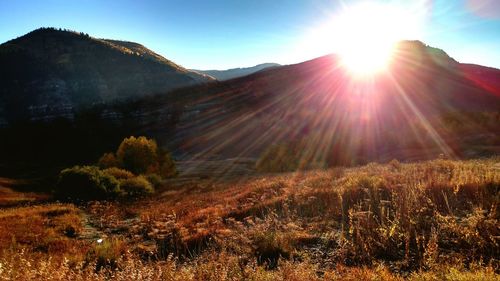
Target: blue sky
column 222, row 34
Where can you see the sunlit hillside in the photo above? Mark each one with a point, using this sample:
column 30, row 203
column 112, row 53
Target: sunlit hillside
column 434, row 220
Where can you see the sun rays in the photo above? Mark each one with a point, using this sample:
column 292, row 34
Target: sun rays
column 364, row 34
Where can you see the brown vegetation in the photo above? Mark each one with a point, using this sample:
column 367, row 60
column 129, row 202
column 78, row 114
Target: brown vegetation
column 435, row 220
column 49, row 229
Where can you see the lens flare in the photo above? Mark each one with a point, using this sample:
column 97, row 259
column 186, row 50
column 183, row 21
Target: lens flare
column 366, row 34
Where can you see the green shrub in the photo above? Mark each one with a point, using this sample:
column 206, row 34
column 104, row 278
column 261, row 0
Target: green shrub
column 86, row 183
column 108, row 160
column 118, row 173
column 137, row 186
column 138, row 155
column 154, row 179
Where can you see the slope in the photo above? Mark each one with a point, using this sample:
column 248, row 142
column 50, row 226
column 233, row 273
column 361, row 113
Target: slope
column 49, row 73
column 424, row 105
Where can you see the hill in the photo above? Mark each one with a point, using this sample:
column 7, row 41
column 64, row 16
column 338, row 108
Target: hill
column 222, row 75
column 424, row 105
column 49, row 73
column 434, row 220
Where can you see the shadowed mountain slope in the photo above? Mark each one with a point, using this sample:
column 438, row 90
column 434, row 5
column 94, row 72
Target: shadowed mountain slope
column 49, row 73
column 425, row 104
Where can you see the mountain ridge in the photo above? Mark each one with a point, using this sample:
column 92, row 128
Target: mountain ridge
column 51, row 72
column 232, row 73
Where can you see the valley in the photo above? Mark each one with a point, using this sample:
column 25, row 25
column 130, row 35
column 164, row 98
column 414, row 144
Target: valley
column 119, row 164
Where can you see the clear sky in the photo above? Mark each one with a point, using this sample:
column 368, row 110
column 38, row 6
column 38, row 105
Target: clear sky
column 219, row 34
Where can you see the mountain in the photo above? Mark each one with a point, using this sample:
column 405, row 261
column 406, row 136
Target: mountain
column 424, row 105
column 48, row 73
column 222, row 75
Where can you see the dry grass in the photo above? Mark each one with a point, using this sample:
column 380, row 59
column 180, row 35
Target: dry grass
column 10, row 197
column 220, row 267
column 434, row 220
column 49, row 229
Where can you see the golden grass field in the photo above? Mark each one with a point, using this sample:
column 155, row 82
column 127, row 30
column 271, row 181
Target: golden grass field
column 433, row 220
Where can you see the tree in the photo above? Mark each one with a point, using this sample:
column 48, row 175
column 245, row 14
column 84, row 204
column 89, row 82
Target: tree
column 138, row 155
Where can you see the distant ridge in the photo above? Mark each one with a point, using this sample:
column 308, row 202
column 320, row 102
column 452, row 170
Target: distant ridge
column 222, row 75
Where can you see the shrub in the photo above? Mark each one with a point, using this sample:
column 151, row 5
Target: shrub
column 166, row 164
column 138, row 155
column 137, row 186
column 86, row 183
column 118, row 173
column 279, row 158
column 154, row 179
column 108, row 160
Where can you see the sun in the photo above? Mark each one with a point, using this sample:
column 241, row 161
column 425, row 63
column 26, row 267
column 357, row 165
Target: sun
column 364, row 35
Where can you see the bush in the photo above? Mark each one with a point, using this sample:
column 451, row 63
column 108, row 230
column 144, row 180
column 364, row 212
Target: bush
column 86, row 183
column 137, row 186
column 166, row 164
column 108, row 160
column 280, row 158
column 118, row 173
column 138, row 155
column 154, row 179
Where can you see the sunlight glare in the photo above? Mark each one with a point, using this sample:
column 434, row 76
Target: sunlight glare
column 364, row 35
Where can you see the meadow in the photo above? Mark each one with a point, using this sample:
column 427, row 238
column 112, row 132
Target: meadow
column 430, row 220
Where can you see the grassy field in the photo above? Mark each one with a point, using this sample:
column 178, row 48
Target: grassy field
column 433, row 220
